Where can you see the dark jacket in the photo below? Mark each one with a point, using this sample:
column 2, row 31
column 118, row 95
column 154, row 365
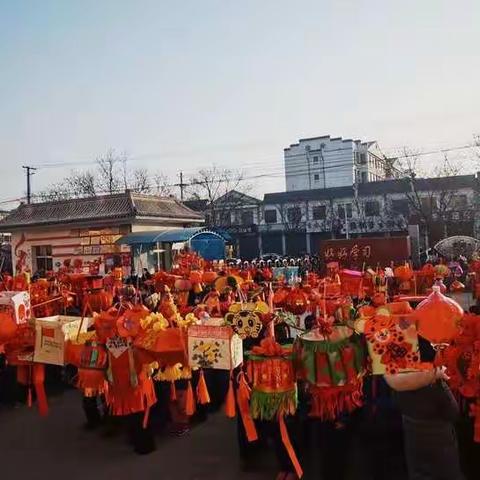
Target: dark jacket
column 429, row 414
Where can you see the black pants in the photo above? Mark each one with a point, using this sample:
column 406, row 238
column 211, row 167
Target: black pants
column 142, row 439
column 431, row 450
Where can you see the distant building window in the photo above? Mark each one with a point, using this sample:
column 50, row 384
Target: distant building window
column 315, row 159
column 428, row 204
column 364, row 177
column 400, row 207
column 247, row 217
column 43, row 257
column 363, row 159
column 316, row 177
column 270, row 216
column 341, row 210
column 459, row 201
column 224, row 218
column 294, row 215
column 319, row 212
column 372, row 208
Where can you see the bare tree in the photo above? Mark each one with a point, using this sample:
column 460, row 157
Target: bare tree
column 215, row 185
column 161, row 184
column 110, row 171
column 429, row 199
column 140, row 181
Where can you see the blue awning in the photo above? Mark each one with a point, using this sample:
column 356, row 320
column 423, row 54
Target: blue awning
column 164, row 236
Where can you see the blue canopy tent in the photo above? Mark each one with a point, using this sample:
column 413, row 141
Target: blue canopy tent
column 154, row 248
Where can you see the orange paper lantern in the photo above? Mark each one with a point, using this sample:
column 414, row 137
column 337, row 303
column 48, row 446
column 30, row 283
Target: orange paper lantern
column 438, row 318
column 403, row 273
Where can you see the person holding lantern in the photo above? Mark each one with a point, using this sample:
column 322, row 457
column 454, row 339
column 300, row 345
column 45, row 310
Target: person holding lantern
column 428, row 407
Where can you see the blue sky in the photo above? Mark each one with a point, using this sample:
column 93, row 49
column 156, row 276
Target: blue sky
column 178, row 85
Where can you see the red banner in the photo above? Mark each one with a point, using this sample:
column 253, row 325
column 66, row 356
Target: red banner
column 356, row 252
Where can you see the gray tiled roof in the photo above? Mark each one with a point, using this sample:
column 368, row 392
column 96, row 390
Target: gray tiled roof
column 125, row 205
column 375, row 188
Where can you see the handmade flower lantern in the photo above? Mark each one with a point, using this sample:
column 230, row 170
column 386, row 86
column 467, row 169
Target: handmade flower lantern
column 392, row 339
column 274, row 389
column 438, row 318
column 331, row 362
column 90, row 357
column 19, row 352
column 462, row 359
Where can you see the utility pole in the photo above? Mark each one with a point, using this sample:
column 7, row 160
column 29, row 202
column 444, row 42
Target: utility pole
column 29, row 171
column 182, row 186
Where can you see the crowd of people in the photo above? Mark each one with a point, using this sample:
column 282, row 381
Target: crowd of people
column 405, row 426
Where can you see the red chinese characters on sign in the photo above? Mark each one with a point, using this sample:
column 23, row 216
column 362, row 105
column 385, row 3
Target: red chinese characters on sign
column 344, row 253
column 366, row 250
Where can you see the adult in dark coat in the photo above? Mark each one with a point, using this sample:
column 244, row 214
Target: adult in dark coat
column 429, row 412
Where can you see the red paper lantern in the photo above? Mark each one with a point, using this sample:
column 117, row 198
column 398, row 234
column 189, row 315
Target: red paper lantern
column 280, row 296
column 438, row 317
column 196, row 276
column 209, row 277
column 128, row 324
column 98, row 300
column 403, row 273
column 296, row 302
column 183, row 285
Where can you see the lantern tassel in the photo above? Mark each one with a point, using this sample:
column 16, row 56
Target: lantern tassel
column 288, row 446
column 202, row 390
column 230, row 410
column 190, row 400
column 243, row 399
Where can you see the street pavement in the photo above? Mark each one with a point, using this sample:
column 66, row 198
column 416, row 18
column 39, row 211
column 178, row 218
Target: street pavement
column 57, row 447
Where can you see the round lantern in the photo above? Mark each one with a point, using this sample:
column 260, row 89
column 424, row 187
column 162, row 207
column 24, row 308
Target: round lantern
column 128, row 324
column 403, row 273
column 438, row 317
column 209, row 277
column 183, row 285
column 196, row 276
column 296, row 302
column 280, row 296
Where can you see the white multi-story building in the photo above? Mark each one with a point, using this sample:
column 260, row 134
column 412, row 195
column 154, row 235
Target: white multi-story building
column 326, row 162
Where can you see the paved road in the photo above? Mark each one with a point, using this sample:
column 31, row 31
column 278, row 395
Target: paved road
column 56, row 447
